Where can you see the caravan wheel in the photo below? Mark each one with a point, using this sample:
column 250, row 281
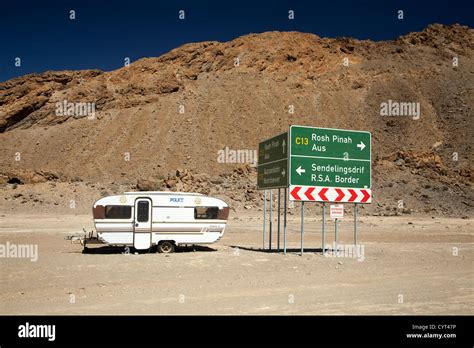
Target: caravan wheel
column 166, row 247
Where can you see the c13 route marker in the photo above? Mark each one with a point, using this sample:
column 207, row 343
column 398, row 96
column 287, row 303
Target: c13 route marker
column 329, row 165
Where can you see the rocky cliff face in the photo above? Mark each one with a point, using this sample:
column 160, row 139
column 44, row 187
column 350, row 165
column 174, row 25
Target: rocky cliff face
column 178, row 110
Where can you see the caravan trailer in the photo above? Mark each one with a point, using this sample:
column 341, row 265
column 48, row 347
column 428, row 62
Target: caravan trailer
column 165, row 219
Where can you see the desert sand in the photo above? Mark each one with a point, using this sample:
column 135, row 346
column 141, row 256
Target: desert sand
column 410, row 265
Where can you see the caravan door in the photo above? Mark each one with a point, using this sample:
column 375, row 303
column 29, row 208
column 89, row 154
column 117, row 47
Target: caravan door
column 142, row 224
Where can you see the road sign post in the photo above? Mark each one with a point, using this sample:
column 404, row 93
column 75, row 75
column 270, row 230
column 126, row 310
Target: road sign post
column 271, row 222
column 278, row 236
column 315, row 164
column 272, row 172
column 302, row 226
column 284, row 221
column 323, row 227
column 264, row 216
column 355, row 224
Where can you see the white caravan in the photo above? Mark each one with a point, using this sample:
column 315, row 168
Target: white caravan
column 166, row 219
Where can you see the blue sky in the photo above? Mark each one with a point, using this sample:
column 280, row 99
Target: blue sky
column 104, row 32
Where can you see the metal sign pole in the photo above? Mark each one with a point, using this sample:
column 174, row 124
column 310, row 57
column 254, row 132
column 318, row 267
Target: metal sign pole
column 264, row 216
column 336, row 237
column 355, row 223
column 302, row 226
column 324, row 227
column 278, row 237
column 271, row 221
column 284, row 222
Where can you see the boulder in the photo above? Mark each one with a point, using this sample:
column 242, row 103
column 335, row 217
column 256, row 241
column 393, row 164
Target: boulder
column 146, row 185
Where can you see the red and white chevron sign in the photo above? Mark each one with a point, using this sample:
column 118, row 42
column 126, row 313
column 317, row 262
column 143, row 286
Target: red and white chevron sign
column 330, row 194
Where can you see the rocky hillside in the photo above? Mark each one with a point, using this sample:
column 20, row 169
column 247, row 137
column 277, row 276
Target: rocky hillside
column 176, row 111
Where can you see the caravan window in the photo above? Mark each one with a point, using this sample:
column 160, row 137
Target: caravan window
column 206, row 212
column 118, row 212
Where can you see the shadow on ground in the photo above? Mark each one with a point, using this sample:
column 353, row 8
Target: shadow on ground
column 109, row 250
column 276, row 251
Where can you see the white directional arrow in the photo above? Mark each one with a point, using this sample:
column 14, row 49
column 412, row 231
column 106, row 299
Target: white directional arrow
column 361, row 146
column 283, row 144
column 300, row 170
column 283, row 172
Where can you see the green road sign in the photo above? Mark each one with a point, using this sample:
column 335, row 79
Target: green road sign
column 273, row 162
column 327, row 157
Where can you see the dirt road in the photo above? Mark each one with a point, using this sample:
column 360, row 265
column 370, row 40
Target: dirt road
column 409, row 265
